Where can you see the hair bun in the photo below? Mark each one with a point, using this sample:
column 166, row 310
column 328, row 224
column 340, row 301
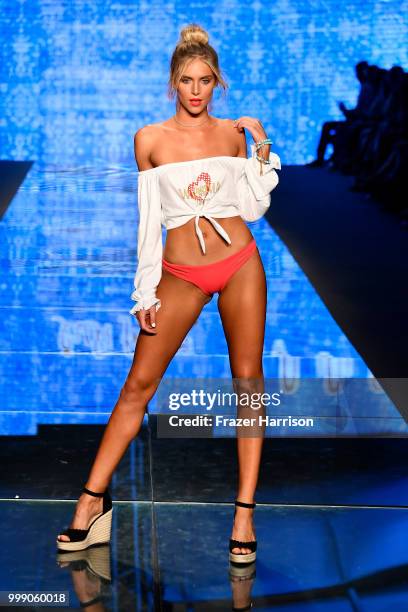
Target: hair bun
column 193, row 33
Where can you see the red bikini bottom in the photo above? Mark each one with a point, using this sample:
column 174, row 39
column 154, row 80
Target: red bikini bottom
column 213, row 277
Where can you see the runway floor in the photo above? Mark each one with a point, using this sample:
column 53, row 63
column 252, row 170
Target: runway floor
column 331, row 522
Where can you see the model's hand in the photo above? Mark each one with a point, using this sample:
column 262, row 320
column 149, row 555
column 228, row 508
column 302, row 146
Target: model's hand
column 146, row 319
column 256, row 129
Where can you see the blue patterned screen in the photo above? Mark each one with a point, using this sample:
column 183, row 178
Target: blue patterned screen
column 78, row 78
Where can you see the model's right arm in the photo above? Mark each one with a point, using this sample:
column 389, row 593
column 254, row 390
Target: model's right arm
column 149, row 239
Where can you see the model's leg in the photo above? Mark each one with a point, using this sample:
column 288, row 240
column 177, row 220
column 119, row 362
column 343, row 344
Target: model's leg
column 242, row 306
column 182, row 303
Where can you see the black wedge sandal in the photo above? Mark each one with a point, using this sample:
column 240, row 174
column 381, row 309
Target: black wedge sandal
column 98, row 531
column 242, row 557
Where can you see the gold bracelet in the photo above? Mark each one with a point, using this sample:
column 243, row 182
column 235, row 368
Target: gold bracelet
column 262, row 161
column 260, row 158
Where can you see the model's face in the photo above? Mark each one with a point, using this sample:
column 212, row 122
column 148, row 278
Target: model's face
column 197, row 81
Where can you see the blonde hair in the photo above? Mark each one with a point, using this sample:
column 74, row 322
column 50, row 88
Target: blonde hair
column 193, row 43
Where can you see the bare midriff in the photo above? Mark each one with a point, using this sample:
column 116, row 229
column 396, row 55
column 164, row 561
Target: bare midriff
column 182, row 245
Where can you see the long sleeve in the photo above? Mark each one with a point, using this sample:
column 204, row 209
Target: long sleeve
column 149, row 244
column 254, row 189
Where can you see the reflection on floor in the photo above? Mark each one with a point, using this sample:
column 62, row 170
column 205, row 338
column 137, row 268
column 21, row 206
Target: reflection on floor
column 173, row 556
column 331, row 522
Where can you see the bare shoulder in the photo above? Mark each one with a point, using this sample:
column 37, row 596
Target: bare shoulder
column 227, row 122
column 144, row 143
column 227, row 125
column 237, row 138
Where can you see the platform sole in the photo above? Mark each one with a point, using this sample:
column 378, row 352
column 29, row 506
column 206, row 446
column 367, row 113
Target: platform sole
column 242, row 558
column 99, row 533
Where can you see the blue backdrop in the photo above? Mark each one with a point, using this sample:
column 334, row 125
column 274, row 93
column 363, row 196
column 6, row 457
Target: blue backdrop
column 77, row 79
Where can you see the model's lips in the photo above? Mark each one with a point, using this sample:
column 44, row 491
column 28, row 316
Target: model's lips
column 195, row 100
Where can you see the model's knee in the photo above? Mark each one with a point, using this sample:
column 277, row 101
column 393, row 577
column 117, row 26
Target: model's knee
column 248, row 381
column 245, row 372
column 137, row 391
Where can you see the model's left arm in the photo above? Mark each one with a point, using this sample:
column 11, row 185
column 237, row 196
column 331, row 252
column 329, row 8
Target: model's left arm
column 257, row 178
column 254, row 188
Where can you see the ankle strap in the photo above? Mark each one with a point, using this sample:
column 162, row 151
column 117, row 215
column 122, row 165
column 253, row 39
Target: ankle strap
column 244, row 504
column 93, row 492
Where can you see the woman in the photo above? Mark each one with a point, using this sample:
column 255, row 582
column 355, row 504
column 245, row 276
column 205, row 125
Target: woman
column 194, row 178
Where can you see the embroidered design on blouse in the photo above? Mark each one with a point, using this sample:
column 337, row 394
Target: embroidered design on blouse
column 201, row 188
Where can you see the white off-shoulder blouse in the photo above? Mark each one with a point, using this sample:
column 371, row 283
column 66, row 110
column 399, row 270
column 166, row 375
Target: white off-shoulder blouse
column 211, row 187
